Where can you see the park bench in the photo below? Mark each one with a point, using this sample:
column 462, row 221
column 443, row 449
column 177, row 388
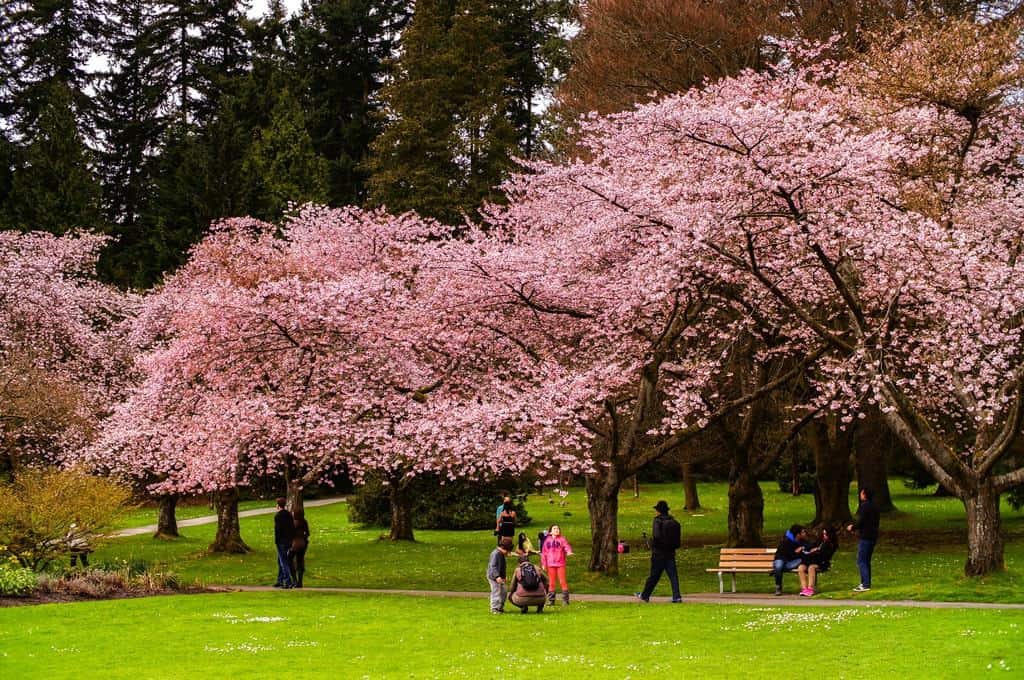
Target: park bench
column 743, row 561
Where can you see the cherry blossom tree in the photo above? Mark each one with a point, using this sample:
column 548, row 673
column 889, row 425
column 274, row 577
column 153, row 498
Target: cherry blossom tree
column 62, row 358
column 291, row 352
column 873, row 210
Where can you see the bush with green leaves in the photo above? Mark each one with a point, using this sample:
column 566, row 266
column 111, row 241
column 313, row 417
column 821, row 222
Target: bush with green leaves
column 451, row 505
column 17, row 581
column 44, row 513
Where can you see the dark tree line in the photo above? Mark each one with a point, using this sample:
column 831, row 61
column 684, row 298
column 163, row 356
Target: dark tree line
column 149, row 119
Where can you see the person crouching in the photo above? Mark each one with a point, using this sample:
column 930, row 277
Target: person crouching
column 529, row 587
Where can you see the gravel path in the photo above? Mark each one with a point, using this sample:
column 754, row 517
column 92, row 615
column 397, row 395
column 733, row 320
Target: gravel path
column 212, row 519
column 755, row 600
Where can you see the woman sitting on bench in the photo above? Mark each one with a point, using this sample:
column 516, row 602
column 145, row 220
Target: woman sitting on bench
column 817, row 559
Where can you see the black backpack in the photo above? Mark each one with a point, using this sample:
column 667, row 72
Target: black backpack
column 528, row 576
column 671, row 534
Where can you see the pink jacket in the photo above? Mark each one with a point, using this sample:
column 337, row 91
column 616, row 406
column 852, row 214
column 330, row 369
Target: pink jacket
column 554, row 551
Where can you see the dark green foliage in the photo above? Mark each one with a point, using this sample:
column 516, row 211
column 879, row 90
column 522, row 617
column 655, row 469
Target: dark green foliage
column 452, row 505
column 805, row 468
column 339, row 53
column 448, row 143
column 281, row 166
column 1015, row 497
column 53, row 188
column 49, row 42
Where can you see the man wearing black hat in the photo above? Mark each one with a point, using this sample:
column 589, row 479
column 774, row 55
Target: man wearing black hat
column 666, row 538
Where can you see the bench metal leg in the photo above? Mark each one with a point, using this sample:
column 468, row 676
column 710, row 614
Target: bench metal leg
column 734, row 581
column 721, row 584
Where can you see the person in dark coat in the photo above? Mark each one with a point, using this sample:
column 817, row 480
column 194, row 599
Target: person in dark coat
column 665, row 540
column 866, row 526
column 817, row 559
column 284, row 532
column 496, row 574
column 789, row 554
column 297, row 552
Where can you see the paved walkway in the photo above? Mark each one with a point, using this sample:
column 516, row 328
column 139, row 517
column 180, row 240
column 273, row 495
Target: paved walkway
column 212, row 519
column 755, row 600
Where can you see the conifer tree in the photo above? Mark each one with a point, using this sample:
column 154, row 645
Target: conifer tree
column 54, row 189
column 340, row 50
column 448, row 141
column 281, row 166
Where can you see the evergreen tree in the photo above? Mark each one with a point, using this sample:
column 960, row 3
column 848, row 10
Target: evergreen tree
column 49, row 42
column 53, row 189
column 130, row 100
column 340, row 50
column 449, row 141
column 538, row 56
column 282, row 167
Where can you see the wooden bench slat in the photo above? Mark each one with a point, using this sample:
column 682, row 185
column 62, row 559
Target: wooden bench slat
column 742, row 561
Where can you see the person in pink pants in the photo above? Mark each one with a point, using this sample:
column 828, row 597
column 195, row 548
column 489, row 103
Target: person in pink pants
column 552, row 558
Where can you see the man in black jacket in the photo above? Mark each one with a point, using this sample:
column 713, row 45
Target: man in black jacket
column 866, row 526
column 789, row 554
column 284, row 532
column 666, row 534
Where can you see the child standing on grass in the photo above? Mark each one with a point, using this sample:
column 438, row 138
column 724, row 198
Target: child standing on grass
column 496, row 570
column 552, row 558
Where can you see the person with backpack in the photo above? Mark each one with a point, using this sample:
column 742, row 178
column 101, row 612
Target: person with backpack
column 529, row 586
column 666, row 538
column 506, row 524
column 552, row 558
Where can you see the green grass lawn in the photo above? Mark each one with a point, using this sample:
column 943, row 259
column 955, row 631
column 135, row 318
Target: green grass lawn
column 303, row 634
column 197, row 507
column 921, row 554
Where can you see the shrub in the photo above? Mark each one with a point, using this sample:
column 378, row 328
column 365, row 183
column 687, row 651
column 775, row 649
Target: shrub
column 44, row 512
column 452, row 505
column 17, row 581
column 98, row 583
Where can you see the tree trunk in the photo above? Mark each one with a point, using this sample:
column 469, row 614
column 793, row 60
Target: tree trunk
column 401, row 511
column 746, row 510
column 229, row 532
column 603, row 504
column 691, row 499
column 166, row 520
column 871, row 474
column 984, row 535
column 293, row 493
column 832, row 469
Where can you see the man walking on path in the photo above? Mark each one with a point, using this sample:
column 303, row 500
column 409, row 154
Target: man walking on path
column 666, row 537
column 866, row 526
column 284, row 532
column 496, row 574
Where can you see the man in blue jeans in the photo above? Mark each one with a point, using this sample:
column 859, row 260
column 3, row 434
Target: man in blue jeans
column 284, row 531
column 789, row 554
column 866, row 526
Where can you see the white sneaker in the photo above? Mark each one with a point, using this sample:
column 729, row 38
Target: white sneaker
column 861, row 588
